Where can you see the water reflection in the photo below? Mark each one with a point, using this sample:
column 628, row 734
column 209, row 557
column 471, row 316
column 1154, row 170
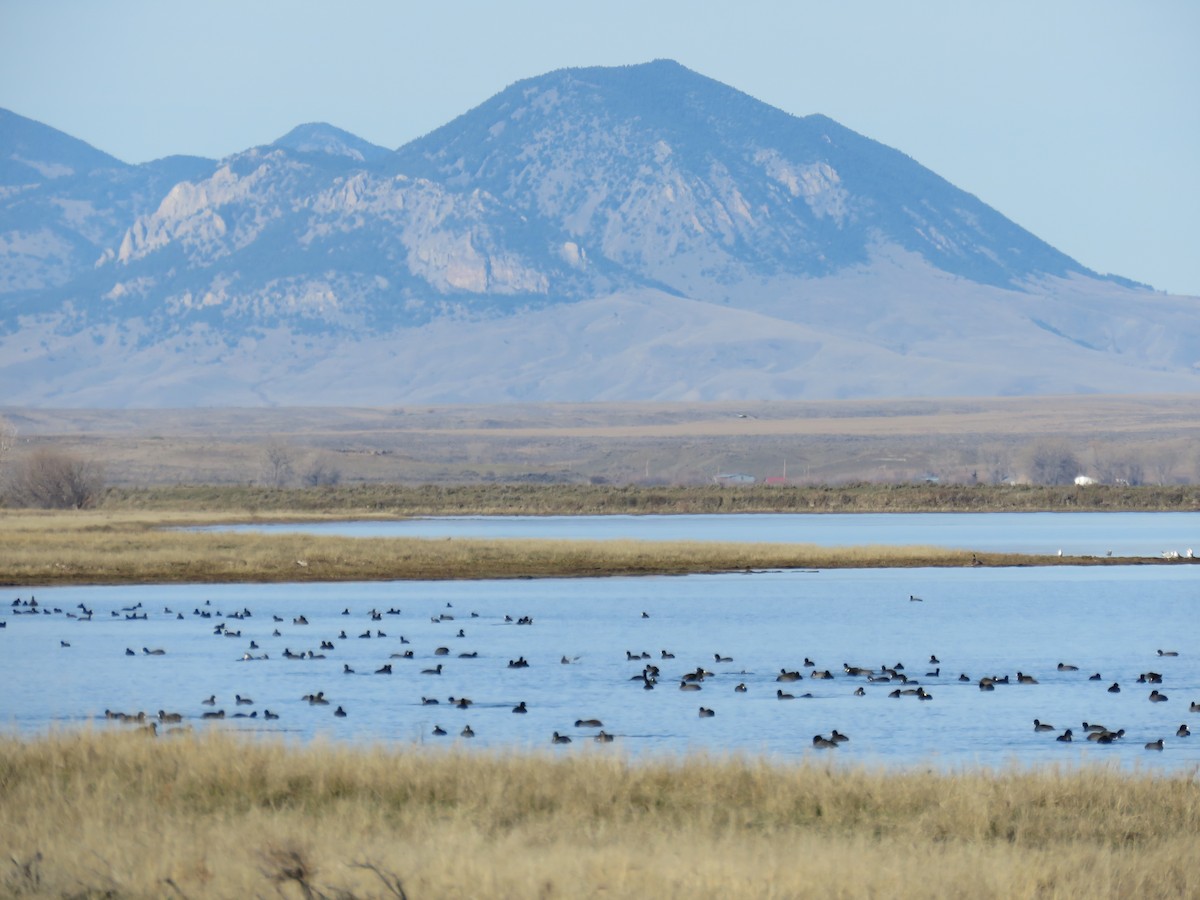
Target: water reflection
column 588, row 642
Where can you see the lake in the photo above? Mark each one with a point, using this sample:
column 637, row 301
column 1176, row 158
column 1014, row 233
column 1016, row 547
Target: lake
column 1110, row 621
column 1133, row 534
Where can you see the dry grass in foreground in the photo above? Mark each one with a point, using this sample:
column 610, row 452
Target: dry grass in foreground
column 99, row 547
column 128, row 815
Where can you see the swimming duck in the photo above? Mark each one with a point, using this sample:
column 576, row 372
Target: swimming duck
column 267, row 714
column 560, row 739
column 1155, row 745
column 785, row 675
column 243, row 701
column 520, row 708
column 1183, row 731
column 385, row 669
column 740, row 689
column 1066, row 736
column 340, row 713
column 169, row 717
column 1114, row 688
column 468, row 732
column 588, row 723
column 722, row 659
column 860, row 691
column 1095, row 677
column 1168, row 652
column 1042, row 726
column 1064, row 667
column 604, row 738
column 689, row 686
column 439, row 730
column 211, row 701
column 780, row 695
column 1157, row 697
column 706, row 713
column 436, row 670
column 823, row 743
column 837, row 737
column 1022, row 678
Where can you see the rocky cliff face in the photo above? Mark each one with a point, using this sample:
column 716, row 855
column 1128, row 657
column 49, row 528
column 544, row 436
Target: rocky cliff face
column 631, row 233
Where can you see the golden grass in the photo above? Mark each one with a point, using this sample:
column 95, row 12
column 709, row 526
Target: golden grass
column 125, row 815
column 102, row 547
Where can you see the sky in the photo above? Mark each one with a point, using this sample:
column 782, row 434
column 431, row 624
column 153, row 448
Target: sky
column 1077, row 119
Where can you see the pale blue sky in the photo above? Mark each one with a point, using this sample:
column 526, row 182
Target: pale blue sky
column 1078, row 119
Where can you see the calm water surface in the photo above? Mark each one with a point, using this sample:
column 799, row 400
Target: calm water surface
column 1110, row 621
column 1075, row 534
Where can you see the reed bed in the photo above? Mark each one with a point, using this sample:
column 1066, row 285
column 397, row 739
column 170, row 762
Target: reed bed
column 212, row 815
column 104, row 547
column 586, row 499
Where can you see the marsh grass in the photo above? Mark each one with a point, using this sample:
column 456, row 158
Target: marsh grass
column 586, row 499
column 106, row 547
column 121, row 814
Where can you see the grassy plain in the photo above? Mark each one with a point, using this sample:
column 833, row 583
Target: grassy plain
column 819, row 442
column 209, row 815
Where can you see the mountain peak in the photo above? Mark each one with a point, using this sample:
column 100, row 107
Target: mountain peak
column 323, row 138
column 31, row 152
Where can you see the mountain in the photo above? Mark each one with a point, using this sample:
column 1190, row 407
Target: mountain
column 640, row 232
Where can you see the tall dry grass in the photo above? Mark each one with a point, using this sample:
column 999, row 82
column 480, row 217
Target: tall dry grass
column 127, row 815
column 105, row 547
column 581, row 499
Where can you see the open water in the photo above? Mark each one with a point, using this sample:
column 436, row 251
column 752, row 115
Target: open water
column 1111, row 621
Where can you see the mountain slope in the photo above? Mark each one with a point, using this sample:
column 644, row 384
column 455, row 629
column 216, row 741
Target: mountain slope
column 633, row 233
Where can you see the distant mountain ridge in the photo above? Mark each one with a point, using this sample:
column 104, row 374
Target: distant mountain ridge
column 528, row 247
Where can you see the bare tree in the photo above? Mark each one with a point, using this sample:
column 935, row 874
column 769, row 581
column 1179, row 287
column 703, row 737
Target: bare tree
column 320, row 471
column 8, row 440
column 1051, row 462
column 277, row 463
column 52, row 479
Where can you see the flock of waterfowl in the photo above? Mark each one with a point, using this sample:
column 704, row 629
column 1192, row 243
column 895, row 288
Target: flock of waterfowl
column 276, row 638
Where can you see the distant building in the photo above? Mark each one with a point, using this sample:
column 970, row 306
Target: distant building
column 731, row 478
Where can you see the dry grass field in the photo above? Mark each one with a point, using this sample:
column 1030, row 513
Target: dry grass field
column 959, row 441
column 209, row 815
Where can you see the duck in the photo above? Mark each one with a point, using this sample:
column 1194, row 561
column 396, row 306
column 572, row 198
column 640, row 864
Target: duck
column 1022, row 678
column 1155, row 745
column 936, row 673
column 706, row 713
column 1042, row 726
column 1114, row 688
column 785, row 675
column 211, row 701
column 1183, row 731
column 560, row 739
column 689, row 686
column 740, row 689
column 722, row 659
column 267, row 714
column 1194, row 707
column 823, row 743
column 1158, row 697
column 933, row 660
column 462, row 702
column 467, row 732
column 439, row 730
column 1095, row 677
column 1064, row 667
column 666, row 655
column 385, row 669
column 219, row 714
column 604, row 738
column 436, row 670
column 1067, row 736
column 243, row 701
column 837, row 737
column 340, row 713
column 157, row 651
column 520, row 708
column 588, row 723
column 780, row 695
column 860, row 691
column 346, row 670
column 169, row 717
column 1168, row 652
